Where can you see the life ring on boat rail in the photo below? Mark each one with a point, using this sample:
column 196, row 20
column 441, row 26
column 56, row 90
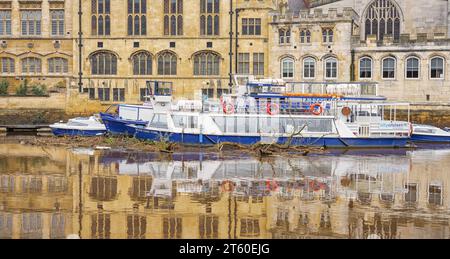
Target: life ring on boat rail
column 316, row 109
column 227, row 186
column 228, row 108
column 271, row 185
column 273, row 108
column 346, row 111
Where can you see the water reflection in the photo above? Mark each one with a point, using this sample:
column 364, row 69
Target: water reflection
column 54, row 192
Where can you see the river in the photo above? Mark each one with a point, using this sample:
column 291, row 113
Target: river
column 57, row 192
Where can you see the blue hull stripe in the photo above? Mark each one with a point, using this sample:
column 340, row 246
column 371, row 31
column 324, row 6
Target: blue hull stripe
column 432, row 139
column 199, row 139
column 85, row 133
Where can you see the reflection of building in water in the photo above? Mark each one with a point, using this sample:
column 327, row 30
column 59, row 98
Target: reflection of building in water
column 144, row 196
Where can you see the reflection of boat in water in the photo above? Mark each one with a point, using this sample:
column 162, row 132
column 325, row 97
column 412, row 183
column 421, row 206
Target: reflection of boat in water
column 306, row 177
column 89, row 126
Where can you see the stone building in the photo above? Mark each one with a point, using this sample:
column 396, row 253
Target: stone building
column 129, row 42
column 36, row 41
column 395, row 43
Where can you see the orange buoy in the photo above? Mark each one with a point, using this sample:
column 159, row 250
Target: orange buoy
column 316, row 109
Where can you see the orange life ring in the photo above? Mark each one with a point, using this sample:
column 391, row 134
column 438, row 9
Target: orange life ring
column 271, row 110
column 227, row 186
column 313, row 109
column 271, row 185
column 346, row 111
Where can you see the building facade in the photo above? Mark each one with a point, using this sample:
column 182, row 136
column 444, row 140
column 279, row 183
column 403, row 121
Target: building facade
column 129, row 42
column 392, row 42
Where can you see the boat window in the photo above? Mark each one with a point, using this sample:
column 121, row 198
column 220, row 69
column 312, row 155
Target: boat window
column 291, row 125
column 78, row 124
column 182, row 121
column 424, row 130
column 159, row 121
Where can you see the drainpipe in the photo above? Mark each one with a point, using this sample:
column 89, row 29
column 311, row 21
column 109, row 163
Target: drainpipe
column 80, row 47
column 230, row 83
column 352, row 66
column 236, row 41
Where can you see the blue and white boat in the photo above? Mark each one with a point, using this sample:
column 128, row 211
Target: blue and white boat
column 117, row 117
column 82, row 126
column 429, row 134
column 272, row 115
column 116, row 123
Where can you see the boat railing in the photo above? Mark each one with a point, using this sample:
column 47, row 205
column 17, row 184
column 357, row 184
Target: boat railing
column 350, row 89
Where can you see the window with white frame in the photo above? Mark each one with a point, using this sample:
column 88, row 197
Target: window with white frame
column 31, row 65
column 388, row 68
column 58, row 65
column 327, row 35
column 258, row 64
column 305, row 36
column 5, row 22
column 31, row 22
column 251, row 26
column 284, row 36
column 309, row 68
column 331, row 67
column 167, row 64
column 287, row 68
column 7, row 65
column 412, row 67
column 137, row 19
column 142, row 63
column 57, row 27
column 437, row 68
column 365, row 68
column 244, row 63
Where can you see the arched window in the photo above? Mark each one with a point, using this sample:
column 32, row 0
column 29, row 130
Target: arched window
column 7, row 65
column 284, row 36
column 100, row 17
column 412, row 67
column 382, row 18
column 58, row 66
column 331, row 68
column 437, row 68
column 167, row 64
column 309, row 68
column 209, row 17
column 287, row 68
column 31, row 65
column 142, row 63
column 173, row 17
column 327, row 35
column 103, row 63
column 305, row 36
column 365, row 68
column 206, row 64
column 388, row 68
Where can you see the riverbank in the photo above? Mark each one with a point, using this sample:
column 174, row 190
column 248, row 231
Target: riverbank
column 132, row 144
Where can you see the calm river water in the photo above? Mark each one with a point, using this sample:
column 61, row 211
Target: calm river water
column 52, row 192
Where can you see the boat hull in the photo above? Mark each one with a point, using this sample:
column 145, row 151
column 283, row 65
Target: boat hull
column 118, row 126
column 77, row 132
column 419, row 138
column 330, row 142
